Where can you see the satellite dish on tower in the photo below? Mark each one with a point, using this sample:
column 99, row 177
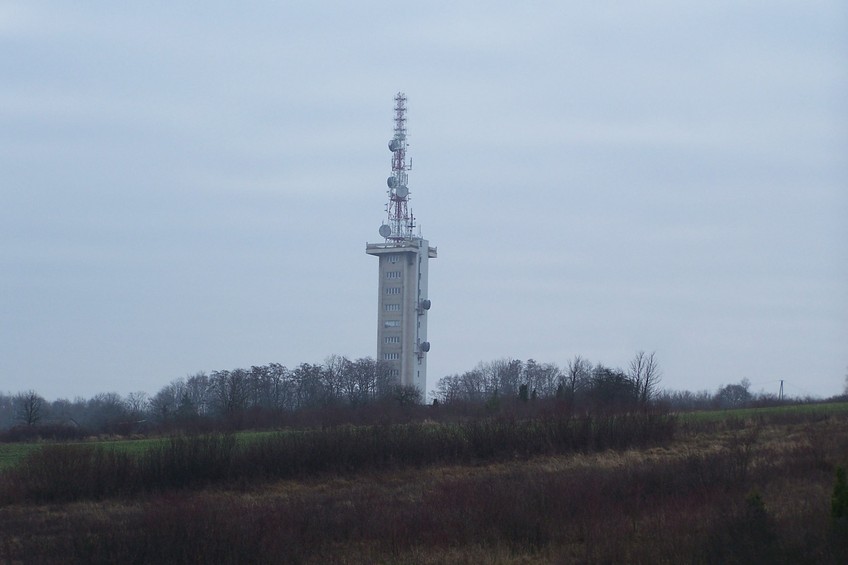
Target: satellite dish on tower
column 402, row 192
column 385, row 230
column 391, row 181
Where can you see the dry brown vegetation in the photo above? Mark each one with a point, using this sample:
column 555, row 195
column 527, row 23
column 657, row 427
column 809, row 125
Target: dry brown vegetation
column 732, row 491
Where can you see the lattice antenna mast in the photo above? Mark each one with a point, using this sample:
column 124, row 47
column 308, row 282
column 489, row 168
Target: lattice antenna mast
column 401, row 222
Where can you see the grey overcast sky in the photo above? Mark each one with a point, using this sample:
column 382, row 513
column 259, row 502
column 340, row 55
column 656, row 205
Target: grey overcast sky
column 189, row 186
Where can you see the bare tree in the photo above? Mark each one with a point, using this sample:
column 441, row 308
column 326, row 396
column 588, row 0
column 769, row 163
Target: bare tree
column 165, row 403
column 258, row 386
column 362, row 376
column 645, row 374
column 652, row 378
column 507, row 374
column 281, row 387
column 196, row 393
column 29, row 407
column 308, row 380
column 577, row 374
column 137, row 404
column 541, row 378
column 474, row 385
column 230, row 391
column 333, row 376
column 449, row 389
column 106, row 412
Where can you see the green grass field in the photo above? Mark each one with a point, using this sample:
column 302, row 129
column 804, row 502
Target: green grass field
column 751, row 413
column 13, row 453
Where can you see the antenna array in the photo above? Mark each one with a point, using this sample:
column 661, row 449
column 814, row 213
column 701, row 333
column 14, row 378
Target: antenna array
column 400, row 221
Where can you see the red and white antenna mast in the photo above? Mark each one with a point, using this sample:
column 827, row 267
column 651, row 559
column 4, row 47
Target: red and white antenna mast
column 400, row 222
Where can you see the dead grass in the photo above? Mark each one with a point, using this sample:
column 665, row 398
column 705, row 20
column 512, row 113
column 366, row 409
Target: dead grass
column 667, row 504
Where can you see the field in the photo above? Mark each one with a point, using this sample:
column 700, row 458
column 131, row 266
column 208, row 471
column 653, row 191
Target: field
column 13, row 453
column 744, row 488
column 824, row 409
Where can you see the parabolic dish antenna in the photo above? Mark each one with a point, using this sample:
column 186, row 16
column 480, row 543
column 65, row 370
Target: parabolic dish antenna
column 402, row 192
column 385, row 230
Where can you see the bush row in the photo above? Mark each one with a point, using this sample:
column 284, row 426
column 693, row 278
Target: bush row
column 80, row 471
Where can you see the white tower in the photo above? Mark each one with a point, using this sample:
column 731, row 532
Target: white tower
column 402, row 300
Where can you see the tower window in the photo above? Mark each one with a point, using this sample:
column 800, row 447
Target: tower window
column 392, row 323
column 392, row 274
column 392, row 307
column 391, row 356
column 393, row 258
column 393, row 339
column 393, row 290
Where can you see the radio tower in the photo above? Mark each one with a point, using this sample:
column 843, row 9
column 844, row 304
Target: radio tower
column 402, row 300
column 401, row 222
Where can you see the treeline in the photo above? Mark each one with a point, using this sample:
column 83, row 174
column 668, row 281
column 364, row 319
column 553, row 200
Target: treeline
column 588, row 387
column 357, row 391
column 583, row 385
column 261, row 396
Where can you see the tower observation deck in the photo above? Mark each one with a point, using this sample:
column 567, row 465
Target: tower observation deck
column 402, row 299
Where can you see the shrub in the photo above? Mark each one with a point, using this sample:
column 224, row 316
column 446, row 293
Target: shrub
column 746, row 535
column 69, row 472
column 839, row 502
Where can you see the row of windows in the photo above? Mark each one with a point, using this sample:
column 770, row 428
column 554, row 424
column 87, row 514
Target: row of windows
column 392, row 307
column 392, row 274
column 393, row 339
column 391, row 356
column 392, row 290
column 393, row 258
column 392, row 323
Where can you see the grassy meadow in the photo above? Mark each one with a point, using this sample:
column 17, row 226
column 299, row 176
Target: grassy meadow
column 619, row 488
column 771, row 412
